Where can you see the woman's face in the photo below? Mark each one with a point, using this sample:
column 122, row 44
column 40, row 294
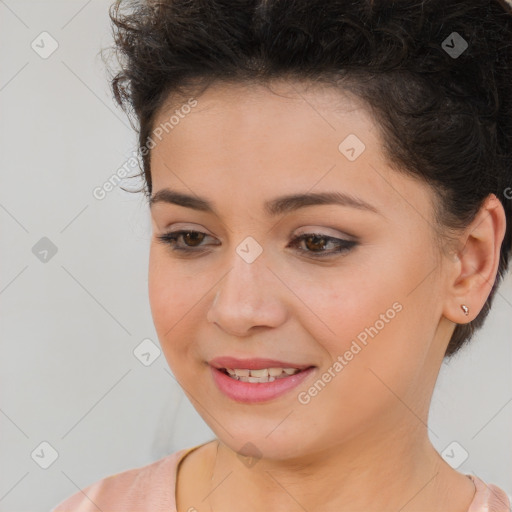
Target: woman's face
column 368, row 317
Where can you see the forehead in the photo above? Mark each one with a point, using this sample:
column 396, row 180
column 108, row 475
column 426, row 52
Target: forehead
column 260, row 109
column 252, row 141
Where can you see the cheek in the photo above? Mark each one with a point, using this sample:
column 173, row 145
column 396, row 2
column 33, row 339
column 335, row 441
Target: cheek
column 179, row 292
column 172, row 294
column 339, row 304
column 370, row 314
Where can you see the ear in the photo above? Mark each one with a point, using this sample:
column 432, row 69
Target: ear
column 473, row 270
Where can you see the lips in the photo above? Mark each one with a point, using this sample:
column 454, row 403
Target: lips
column 254, row 363
column 258, row 392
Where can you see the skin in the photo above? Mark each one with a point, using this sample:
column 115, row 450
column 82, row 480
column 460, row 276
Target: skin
column 361, row 444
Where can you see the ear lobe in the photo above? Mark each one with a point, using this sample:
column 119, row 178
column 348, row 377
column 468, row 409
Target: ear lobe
column 477, row 263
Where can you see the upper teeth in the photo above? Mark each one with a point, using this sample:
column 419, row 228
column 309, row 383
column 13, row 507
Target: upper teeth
column 263, row 375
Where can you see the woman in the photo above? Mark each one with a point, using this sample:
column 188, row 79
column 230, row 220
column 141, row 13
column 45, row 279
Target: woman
column 330, row 189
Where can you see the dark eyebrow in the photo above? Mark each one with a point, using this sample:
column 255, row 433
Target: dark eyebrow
column 274, row 207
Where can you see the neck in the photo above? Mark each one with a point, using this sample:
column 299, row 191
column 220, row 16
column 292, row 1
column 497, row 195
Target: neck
column 377, row 471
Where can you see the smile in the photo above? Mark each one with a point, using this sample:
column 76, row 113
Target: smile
column 251, row 386
column 262, row 375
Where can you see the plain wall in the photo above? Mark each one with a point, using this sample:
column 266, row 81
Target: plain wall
column 69, row 325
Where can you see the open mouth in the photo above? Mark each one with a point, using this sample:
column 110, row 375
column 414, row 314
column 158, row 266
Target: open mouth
column 261, row 376
column 259, row 385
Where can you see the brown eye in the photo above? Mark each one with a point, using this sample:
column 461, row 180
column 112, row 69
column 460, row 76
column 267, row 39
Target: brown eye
column 190, row 239
column 193, row 237
column 315, row 244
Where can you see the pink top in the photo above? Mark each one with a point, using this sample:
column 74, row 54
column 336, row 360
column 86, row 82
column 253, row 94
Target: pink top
column 153, row 488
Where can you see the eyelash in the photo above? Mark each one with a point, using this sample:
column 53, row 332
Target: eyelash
column 343, row 245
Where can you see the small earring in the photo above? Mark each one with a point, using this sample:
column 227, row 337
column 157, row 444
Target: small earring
column 465, row 309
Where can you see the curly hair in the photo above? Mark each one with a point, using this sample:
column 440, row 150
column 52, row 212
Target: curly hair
column 444, row 117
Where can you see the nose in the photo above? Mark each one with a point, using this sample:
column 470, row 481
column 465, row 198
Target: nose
column 248, row 298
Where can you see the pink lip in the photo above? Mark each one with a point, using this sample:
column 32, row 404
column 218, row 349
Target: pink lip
column 252, row 392
column 253, row 363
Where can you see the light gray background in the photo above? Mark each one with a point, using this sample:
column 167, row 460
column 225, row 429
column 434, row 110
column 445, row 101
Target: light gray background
column 69, row 326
